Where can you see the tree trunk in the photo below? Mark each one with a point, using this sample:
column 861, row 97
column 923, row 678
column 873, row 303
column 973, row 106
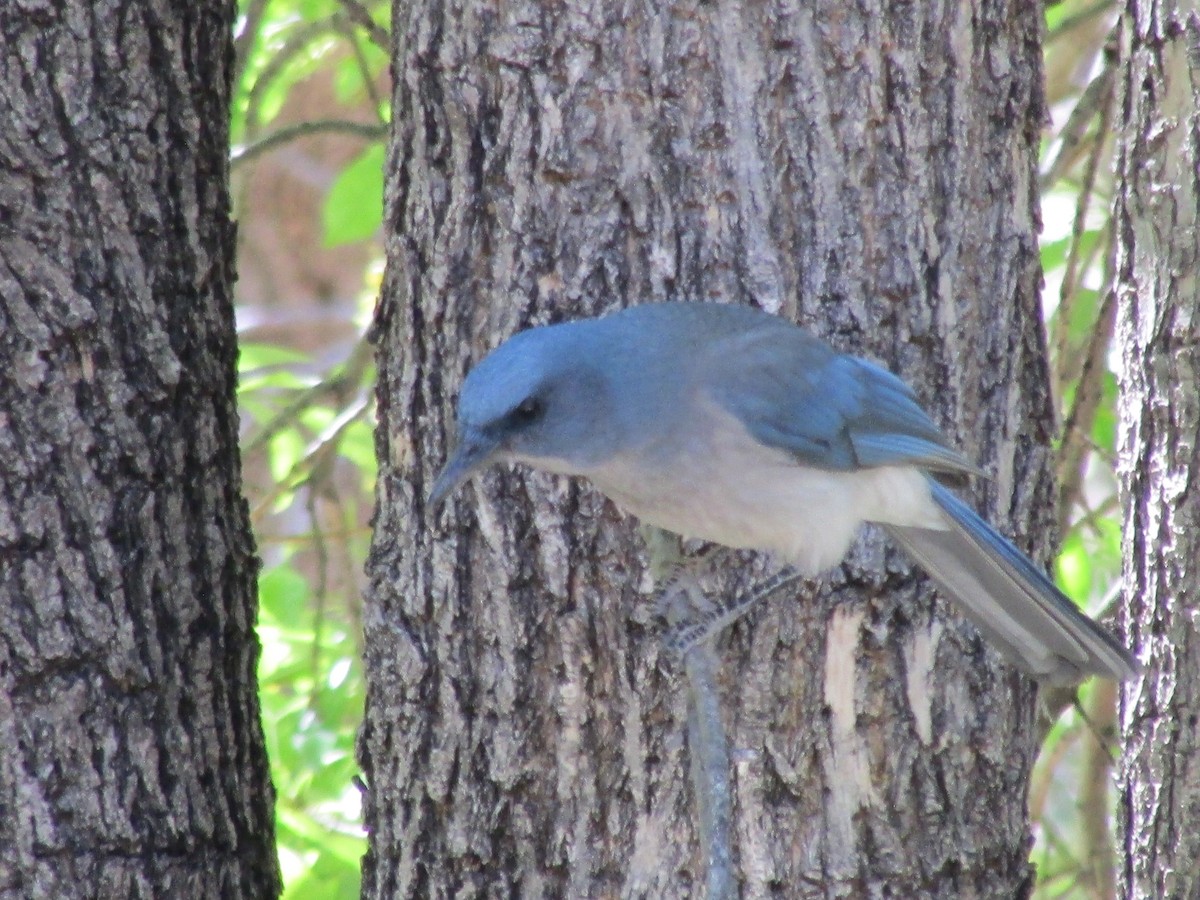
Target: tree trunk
column 131, row 753
column 865, row 169
column 1157, row 217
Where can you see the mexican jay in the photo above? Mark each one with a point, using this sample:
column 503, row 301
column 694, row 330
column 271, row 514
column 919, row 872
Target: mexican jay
column 731, row 425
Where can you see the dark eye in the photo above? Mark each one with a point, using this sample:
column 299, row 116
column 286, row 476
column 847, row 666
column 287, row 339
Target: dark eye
column 529, row 411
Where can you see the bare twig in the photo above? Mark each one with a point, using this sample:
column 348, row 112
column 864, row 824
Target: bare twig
column 1070, row 23
column 340, row 384
column 361, row 16
column 1077, row 427
column 367, row 130
column 1071, row 278
column 1039, row 788
column 364, row 70
column 297, row 42
column 302, row 541
column 320, row 593
column 317, row 455
column 1095, row 99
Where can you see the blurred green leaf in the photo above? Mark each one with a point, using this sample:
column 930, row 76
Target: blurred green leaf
column 281, row 380
column 1084, row 307
column 318, row 883
column 1075, row 568
column 353, row 209
column 311, row 686
column 253, row 356
column 358, row 446
column 286, row 449
column 283, row 595
column 318, row 417
column 1054, row 253
column 1104, row 427
column 348, row 75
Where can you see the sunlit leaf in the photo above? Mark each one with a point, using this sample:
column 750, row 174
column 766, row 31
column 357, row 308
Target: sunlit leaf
column 286, row 449
column 1104, row 427
column 358, row 445
column 283, row 595
column 252, row 355
column 1074, row 568
column 353, row 209
column 1054, row 253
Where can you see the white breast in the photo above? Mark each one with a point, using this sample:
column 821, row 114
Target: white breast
column 722, row 485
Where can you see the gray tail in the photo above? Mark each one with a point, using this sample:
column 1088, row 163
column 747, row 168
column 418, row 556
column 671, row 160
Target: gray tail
column 1010, row 600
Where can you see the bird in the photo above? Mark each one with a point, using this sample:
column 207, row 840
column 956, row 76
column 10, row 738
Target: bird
column 726, row 423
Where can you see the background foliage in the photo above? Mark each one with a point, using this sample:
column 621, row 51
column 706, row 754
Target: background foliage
column 306, row 413
column 309, row 125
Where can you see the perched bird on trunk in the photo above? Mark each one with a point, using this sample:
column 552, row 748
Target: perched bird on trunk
column 735, row 426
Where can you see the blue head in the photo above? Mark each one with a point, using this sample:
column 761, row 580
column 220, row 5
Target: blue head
column 542, row 397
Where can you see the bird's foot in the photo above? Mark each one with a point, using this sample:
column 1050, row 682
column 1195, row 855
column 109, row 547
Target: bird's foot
column 693, row 618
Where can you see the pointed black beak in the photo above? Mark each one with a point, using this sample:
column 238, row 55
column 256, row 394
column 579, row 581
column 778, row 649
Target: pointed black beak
column 474, row 451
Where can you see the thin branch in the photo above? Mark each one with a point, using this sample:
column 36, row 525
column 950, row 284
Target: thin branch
column 320, row 593
column 340, row 384
column 1077, row 427
column 297, row 42
column 318, row 454
column 1074, row 21
column 364, row 70
column 365, row 130
column 1098, row 851
column 1044, row 776
column 304, row 540
column 1071, row 278
column 1096, row 99
column 353, row 593
column 1093, row 516
column 362, row 17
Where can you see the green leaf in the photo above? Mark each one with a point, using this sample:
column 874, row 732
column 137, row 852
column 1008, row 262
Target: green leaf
column 353, row 209
column 1074, row 567
column 1054, row 253
column 1104, row 426
column 281, row 380
column 318, row 417
column 358, row 446
column 1084, row 309
column 256, row 407
column 286, row 449
column 333, row 778
column 283, row 595
column 259, row 356
column 317, row 884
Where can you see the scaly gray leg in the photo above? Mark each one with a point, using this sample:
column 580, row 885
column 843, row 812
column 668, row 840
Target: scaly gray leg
column 700, row 618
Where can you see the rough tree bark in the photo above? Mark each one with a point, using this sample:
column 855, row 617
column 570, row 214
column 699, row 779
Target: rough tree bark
column 1157, row 219
column 131, row 754
column 864, row 168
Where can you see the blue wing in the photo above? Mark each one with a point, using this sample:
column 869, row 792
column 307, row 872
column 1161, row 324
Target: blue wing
column 794, row 392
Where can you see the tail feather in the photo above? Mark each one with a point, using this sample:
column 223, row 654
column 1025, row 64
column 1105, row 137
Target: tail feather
column 1010, row 600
